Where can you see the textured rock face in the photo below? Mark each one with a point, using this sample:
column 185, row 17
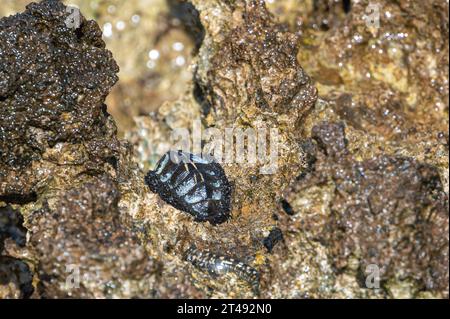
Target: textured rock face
column 248, row 78
column 77, row 187
column 253, row 80
column 11, row 226
column 262, row 54
column 362, row 163
column 85, row 243
column 53, row 82
column 15, row 278
column 391, row 212
column 15, row 275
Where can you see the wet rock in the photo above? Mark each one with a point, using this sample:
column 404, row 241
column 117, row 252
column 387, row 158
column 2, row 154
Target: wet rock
column 387, row 211
column 53, row 82
column 86, row 249
column 393, row 68
column 259, row 52
column 398, row 199
column 310, row 16
column 15, row 278
column 11, row 226
column 15, row 275
column 250, row 48
column 367, row 161
column 278, row 93
column 258, row 46
column 331, row 139
column 81, row 244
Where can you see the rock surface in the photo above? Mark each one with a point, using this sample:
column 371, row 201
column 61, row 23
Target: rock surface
column 15, row 275
column 361, row 182
column 53, row 84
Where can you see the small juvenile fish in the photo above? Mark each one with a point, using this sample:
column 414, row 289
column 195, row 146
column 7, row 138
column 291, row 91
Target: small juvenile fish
column 216, row 265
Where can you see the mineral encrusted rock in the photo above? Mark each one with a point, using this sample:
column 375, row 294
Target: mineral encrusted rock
column 391, row 212
column 15, row 275
column 96, row 249
column 246, row 76
column 362, row 175
column 63, row 168
column 54, row 78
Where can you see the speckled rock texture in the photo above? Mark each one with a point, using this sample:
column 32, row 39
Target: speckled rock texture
column 361, row 182
column 54, row 79
column 81, row 243
column 15, row 275
column 85, row 229
column 386, row 211
column 242, row 44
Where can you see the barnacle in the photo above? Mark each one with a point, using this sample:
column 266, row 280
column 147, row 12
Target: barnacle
column 217, row 265
column 192, row 184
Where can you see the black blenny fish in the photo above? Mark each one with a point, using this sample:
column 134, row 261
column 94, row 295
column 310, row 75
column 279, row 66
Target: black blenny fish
column 216, row 265
column 192, row 184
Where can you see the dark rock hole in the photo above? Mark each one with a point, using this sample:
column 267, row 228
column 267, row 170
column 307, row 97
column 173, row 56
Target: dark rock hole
column 346, row 5
column 189, row 18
